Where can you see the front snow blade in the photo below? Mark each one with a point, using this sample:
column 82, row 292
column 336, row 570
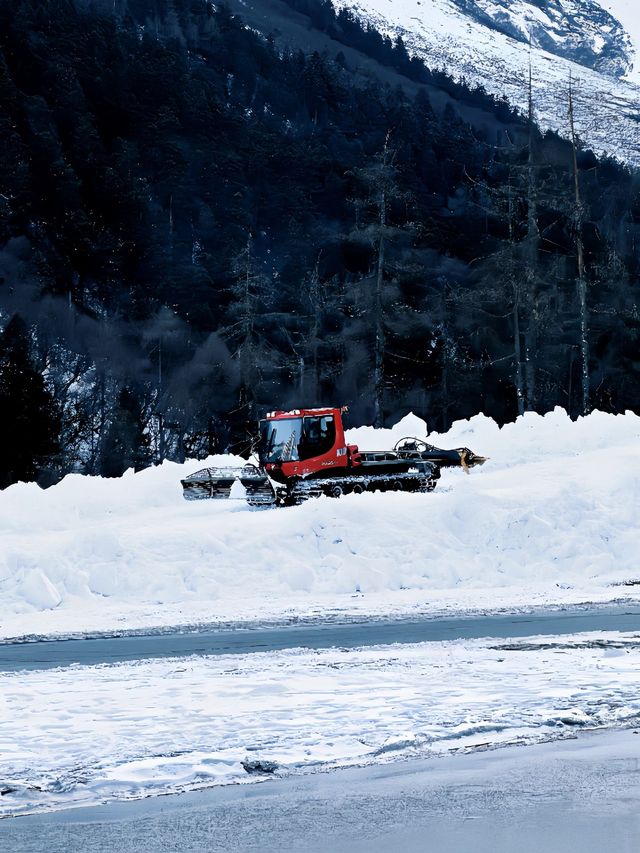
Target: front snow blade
column 257, row 486
column 210, row 483
column 248, row 482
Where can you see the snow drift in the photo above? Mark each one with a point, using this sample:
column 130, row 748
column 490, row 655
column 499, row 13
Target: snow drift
column 552, row 517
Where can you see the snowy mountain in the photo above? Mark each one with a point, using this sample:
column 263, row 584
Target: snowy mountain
column 486, row 42
column 580, row 30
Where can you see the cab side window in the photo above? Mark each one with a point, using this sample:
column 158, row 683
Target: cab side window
column 318, row 436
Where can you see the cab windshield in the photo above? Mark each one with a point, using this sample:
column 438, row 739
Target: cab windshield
column 296, row 439
column 279, row 440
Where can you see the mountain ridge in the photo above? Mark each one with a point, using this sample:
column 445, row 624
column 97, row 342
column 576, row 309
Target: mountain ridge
column 455, row 38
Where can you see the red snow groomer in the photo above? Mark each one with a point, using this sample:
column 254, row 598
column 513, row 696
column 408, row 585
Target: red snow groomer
column 303, row 453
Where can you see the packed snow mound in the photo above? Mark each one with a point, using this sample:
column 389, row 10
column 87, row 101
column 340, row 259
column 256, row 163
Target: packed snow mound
column 553, row 516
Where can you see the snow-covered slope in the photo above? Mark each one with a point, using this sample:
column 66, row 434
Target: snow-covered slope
column 627, row 12
column 486, row 42
column 552, row 518
column 582, row 30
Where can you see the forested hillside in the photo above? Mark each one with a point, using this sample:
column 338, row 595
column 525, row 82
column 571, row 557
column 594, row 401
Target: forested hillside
column 198, row 223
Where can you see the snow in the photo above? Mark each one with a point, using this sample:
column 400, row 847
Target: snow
column 552, row 518
column 83, row 735
column 628, row 13
column 447, row 37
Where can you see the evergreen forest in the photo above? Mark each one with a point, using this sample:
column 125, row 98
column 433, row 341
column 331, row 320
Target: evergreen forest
column 200, row 222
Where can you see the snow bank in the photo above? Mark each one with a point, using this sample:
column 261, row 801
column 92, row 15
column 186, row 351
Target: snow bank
column 552, row 517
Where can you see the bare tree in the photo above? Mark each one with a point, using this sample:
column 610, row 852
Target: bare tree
column 516, row 289
column 381, row 182
column 252, row 297
column 531, row 272
column 578, row 220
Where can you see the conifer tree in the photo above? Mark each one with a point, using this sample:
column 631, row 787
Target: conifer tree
column 30, row 423
column 126, row 443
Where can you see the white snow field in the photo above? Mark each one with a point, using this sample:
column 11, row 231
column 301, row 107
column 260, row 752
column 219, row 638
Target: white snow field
column 83, row 735
column 447, row 36
column 552, row 518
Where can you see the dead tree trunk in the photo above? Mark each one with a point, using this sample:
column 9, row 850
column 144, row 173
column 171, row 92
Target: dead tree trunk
column 385, row 178
column 315, row 298
column 516, row 289
column 378, row 373
column 531, row 333
column 581, row 280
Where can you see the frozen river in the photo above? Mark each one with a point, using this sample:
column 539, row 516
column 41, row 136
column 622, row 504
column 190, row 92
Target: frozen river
column 576, row 796
column 45, row 654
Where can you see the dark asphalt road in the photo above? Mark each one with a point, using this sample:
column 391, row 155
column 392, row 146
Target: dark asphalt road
column 53, row 653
